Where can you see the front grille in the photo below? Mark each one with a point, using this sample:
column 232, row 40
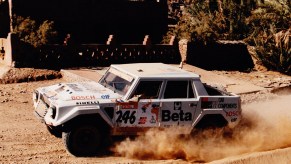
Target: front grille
column 42, row 107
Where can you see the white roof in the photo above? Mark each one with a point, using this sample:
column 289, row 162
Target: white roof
column 160, row 70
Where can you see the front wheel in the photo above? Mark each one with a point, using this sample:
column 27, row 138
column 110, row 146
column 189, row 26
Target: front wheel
column 82, row 140
column 54, row 131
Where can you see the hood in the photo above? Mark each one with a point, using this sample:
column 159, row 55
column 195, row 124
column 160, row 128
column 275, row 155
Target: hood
column 78, row 91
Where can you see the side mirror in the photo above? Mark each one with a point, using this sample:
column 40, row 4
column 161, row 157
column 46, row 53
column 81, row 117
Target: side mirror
column 135, row 98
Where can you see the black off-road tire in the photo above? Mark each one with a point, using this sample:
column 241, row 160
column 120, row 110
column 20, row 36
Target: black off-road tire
column 82, row 140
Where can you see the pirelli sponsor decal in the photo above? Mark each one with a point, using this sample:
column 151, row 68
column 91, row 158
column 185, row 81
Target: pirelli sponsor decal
column 127, row 105
column 87, row 103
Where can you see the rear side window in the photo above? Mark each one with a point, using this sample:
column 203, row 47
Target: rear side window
column 148, row 89
column 179, row 89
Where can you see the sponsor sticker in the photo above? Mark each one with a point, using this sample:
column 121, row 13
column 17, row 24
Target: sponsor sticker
column 142, row 120
column 92, row 97
column 105, row 96
column 177, row 105
column 127, row 105
column 87, row 103
column 75, row 87
column 168, row 115
column 232, row 113
column 217, row 104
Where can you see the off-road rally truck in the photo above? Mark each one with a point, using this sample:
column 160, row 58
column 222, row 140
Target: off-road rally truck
column 128, row 100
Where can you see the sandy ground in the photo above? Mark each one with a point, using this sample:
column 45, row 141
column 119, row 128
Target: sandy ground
column 264, row 135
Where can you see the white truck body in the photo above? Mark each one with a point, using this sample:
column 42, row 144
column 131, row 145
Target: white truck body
column 131, row 98
column 66, row 101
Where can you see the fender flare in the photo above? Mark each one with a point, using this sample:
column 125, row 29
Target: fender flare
column 77, row 111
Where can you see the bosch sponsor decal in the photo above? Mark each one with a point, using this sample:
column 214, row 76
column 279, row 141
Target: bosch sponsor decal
column 177, row 115
column 92, row 97
column 127, row 105
column 232, row 113
column 87, row 103
column 217, row 104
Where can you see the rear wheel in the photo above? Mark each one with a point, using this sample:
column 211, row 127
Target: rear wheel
column 211, row 121
column 82, row 140
column 212, row 125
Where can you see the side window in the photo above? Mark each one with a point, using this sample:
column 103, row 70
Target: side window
column 190, row 90
column 178, row 89
column 148, row 89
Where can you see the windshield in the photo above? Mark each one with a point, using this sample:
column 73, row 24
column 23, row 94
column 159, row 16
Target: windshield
column 117, row 81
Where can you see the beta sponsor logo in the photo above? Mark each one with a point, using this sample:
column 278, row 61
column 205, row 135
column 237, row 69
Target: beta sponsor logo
column 92, row 97
column 168, row 115
column 87, row 103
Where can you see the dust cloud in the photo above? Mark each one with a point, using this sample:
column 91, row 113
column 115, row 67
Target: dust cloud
column 264, row 126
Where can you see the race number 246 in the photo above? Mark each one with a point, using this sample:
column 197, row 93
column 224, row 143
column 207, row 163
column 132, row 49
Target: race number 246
column 126, row 116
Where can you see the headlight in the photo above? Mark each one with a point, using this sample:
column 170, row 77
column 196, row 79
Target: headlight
column 35, row 96
column 52, row 111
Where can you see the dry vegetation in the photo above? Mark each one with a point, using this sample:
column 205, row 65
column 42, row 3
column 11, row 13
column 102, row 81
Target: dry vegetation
column 17, row 75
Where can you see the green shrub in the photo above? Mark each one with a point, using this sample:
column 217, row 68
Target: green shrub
column 198, row 24
column 264, row 24
column 270, row 33
column 33, row 33
column 274, row 51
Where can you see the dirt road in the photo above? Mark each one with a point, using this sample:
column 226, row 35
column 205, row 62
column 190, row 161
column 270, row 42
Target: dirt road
column 23, row 139
column 266, row 126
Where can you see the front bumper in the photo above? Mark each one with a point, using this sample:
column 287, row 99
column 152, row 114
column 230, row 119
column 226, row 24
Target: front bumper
column 39, row 117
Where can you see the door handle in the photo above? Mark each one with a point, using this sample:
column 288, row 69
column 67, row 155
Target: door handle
column 192, row 104
column 155, row 105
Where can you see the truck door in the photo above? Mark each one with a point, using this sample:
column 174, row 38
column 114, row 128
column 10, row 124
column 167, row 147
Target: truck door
column 143, row 107
column 178, row 104
column 149, row 103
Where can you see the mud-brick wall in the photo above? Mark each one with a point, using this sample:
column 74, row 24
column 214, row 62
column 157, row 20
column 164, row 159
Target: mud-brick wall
column 104, row 55
column 60, row 56
column 223, row 55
